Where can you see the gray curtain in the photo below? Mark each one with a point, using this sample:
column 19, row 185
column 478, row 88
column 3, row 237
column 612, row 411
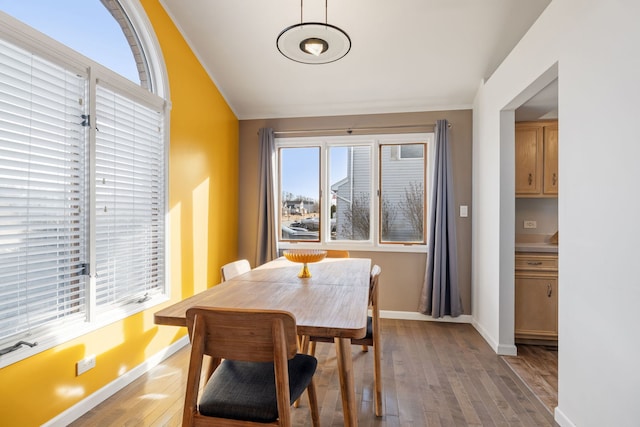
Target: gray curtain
column 266, row 238
column 440, row 293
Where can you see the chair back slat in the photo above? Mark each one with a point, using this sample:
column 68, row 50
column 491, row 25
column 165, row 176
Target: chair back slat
column 242, row 334
column 235, row 268
column 373, row 285
column 337, row 253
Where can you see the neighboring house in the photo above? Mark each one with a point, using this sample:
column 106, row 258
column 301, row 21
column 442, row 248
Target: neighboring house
column 294, row 207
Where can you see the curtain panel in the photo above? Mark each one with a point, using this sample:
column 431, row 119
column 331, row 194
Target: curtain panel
column 440, row 294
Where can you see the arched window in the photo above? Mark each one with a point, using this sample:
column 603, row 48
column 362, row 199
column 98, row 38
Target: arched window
column 82, row 170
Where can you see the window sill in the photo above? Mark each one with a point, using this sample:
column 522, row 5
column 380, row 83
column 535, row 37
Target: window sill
column 355, row 247
column 47, row 339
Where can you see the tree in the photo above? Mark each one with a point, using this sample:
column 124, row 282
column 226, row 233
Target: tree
column 357, row 218
column 412, row 206
column 388, row 215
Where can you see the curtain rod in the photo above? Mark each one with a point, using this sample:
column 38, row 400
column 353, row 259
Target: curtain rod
column 351, row 130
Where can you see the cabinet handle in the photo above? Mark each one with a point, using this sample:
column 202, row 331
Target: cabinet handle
column 530, row 178
column 555, row 179
column 549, row 290
column 534, row 262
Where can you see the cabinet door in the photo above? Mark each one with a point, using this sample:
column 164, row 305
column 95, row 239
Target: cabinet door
column 529, row 160
column 550, row 179
column 536, row 310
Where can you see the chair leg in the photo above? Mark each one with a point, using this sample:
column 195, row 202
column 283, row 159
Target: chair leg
column 365, row 348
column 313, row 404
column 312, row 348
column 377, row 380
column 303, row 347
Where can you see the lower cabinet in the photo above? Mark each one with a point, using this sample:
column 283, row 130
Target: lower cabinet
column 536, row 298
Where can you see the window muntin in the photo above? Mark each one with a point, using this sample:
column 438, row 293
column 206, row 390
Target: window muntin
column 402, row 193
column 384, row 232
column 75, row 309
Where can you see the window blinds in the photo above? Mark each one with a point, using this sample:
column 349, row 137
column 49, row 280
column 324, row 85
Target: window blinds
column 129, row 200
column 42, row 186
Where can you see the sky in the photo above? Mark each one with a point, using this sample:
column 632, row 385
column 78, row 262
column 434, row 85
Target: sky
column 300, row 169
column 84, row 25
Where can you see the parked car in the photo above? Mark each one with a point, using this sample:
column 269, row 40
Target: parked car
column 297, row 233
column 312, row 224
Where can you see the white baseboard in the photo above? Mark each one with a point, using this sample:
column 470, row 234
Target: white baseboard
column 562, row 419
column 414, row 315
column 76, row 411
column 501, row 349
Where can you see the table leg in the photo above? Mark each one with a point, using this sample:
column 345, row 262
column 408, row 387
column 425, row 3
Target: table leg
column 347, row 384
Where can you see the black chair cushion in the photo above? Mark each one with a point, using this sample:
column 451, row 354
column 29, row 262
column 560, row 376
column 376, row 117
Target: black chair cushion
column 369, row 328
column 247, row 390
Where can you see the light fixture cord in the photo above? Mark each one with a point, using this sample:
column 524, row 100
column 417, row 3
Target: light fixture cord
column 326, row 11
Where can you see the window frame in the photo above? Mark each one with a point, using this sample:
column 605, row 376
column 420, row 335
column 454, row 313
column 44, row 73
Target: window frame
column 373, row 244
column 155, row 96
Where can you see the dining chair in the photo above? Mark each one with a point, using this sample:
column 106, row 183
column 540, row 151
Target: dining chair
column 257, row 371
column 372, row 338
column 337, row 253
column 235, row 268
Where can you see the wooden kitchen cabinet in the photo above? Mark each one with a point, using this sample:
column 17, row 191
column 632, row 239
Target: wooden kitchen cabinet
column 536, row 159
column 536, row 298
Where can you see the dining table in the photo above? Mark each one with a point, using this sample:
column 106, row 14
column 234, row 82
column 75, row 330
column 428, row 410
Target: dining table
column 332, row 303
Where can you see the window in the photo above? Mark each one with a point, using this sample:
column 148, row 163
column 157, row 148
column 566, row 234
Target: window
column 402, row 200
column 82, row 193
column 360, row 192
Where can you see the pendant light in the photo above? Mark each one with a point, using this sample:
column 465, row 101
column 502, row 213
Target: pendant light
column 313, row 42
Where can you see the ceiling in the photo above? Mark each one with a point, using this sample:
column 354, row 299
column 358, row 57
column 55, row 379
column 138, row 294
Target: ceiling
column 406, row 55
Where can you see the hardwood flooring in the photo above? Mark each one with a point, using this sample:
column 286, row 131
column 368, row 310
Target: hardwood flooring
column 537, row 366
column 434, row 374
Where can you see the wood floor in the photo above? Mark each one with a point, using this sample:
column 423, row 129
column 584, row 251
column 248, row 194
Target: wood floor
column 537, row 366
column 434, row 374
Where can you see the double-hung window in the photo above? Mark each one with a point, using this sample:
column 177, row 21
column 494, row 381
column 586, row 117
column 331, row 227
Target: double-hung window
column 82, row 194
column 359, row 192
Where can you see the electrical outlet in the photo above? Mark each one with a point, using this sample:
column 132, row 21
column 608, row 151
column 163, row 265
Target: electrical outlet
column 530, row 224
column 85, row 364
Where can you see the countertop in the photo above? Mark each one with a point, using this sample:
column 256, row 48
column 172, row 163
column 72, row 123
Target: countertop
column 536, row 247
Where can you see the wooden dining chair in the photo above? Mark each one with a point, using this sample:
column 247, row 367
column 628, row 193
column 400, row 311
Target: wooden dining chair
column 258, row 372
column 372, row 338
column 337, row 253
column 234, row 269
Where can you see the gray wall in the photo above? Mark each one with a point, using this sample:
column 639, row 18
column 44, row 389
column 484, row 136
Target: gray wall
column 402, row 273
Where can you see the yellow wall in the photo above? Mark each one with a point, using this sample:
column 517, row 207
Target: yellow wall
column 203, row 188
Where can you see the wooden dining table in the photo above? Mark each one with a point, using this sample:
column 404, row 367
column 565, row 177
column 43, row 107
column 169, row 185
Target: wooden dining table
column 332, row 303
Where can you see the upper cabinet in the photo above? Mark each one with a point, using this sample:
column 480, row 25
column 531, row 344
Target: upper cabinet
column 537, row 159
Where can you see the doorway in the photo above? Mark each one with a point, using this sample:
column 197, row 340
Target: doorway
column 536, row 238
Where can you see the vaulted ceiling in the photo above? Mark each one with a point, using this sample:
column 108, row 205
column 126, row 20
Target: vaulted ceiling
column 406, row 55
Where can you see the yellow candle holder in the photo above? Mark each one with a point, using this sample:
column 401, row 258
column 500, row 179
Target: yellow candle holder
column 304, row 256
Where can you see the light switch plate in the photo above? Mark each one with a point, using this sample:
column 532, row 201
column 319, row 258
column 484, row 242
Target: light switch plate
column 530, row 224
column 464, row 211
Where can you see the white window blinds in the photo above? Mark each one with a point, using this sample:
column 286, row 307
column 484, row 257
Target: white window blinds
column 42, row 187
column 129, row 200
column 82, row 194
